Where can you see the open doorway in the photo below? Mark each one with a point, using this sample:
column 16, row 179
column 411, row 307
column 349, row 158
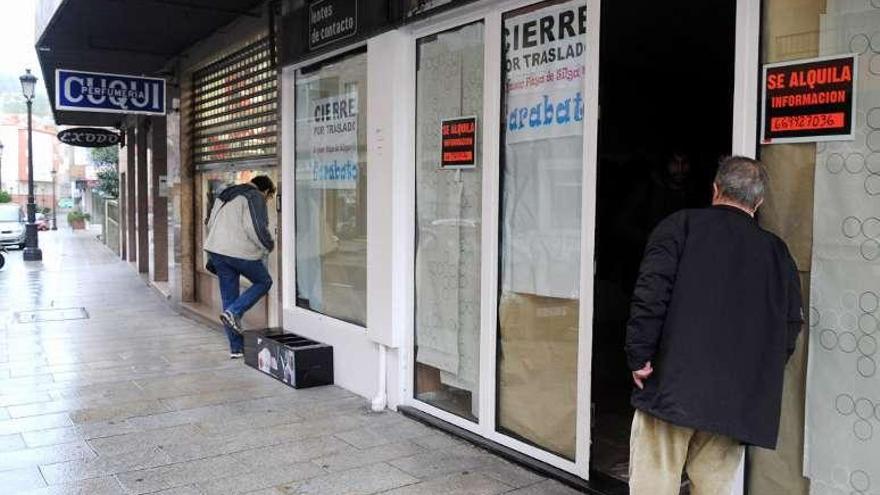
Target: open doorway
column 666, row 117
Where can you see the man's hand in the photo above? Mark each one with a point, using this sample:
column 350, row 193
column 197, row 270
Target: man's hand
column 639, row 376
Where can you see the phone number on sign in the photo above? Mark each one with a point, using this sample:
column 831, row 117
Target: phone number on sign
column 807, row 122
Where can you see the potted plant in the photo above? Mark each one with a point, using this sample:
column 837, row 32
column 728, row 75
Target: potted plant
column 77, row 219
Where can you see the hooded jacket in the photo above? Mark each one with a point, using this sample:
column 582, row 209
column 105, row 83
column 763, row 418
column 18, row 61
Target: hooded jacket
column 239, row 224
column 717, row 310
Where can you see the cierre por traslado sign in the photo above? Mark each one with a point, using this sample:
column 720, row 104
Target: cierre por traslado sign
column 109, row 93
column 89, row 137
column 809, row 100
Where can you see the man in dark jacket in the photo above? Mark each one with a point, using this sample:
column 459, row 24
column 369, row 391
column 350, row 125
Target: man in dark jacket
column 715, row 315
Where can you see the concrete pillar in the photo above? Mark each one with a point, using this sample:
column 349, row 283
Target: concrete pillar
column 159, row 158
column 143, row 204
column 131, row 195
column 188, row 221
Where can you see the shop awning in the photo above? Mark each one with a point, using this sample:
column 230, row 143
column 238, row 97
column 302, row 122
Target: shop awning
column 136, row 37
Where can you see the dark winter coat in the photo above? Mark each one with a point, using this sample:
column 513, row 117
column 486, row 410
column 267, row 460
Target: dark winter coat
column 717, row 310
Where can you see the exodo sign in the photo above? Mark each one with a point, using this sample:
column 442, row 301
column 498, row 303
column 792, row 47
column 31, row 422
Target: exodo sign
column 88, row 137
column 108, row 93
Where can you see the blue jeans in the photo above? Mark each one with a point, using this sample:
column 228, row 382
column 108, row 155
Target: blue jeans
column 229, row 271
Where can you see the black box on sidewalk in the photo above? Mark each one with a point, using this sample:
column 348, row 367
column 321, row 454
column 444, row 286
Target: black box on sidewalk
column 290, row 358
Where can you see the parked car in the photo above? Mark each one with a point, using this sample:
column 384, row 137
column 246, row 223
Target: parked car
column 12, row 225
column 41, row 222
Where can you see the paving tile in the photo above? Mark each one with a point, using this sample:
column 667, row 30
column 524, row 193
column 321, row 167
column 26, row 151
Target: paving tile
column 292, row 452
column 442, row 462
column 52, row 436
column 509, row 473
column 375, row 478
column 120, row 444
column 261, row 478
column 120, row 411
column 373, row 436
column 11, row 442
column 437, row 441
column 19, row 480
column 358, row 458
column 96, row 486
column 180, row 474
column 456, row 484
column 97, row 467
column 45, row 455
column 32, row 423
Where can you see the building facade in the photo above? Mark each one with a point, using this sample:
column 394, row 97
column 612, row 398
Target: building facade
column 466, row 188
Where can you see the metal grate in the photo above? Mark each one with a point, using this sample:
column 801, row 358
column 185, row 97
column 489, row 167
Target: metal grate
column 54, row 314
column 234, row 104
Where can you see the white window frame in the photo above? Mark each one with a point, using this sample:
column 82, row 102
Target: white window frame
column 491, row 12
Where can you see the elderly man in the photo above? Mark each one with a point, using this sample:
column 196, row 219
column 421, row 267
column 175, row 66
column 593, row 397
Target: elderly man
column 715, row 315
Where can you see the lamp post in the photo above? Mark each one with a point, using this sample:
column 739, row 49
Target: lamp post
column 54, row 203
column 32, row 244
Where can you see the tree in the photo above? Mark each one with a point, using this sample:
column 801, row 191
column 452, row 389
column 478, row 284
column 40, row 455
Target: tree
column 107, row 160
column 5, row 197
column 108, row 155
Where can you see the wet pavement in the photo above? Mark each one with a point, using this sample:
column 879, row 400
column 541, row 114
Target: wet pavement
column 104, row 389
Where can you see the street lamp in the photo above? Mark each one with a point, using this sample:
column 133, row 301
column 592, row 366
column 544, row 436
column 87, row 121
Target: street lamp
column 54, row 203
column 32, row 244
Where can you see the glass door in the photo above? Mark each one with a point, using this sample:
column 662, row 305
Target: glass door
column 504, row 210
column 540, row 246
column 449, row 103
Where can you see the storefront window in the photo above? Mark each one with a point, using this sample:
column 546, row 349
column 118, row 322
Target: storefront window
column 448, row 208
column 541, row 174
column 331, row 188
column 820, row 142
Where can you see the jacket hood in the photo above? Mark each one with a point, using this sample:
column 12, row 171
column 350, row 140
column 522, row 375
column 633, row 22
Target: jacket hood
column 232, row 192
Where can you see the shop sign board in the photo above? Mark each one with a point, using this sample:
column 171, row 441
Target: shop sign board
column 109, row 93
column 458, row 145
column 333, row 131
column 330, row 21
column 89, row 137
column 809, row 100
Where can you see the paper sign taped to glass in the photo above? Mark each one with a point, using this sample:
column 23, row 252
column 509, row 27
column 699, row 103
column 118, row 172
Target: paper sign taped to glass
column 332, row 129
column 543, row 155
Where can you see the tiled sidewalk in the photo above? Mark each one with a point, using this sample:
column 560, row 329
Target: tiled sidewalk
column 137, row 399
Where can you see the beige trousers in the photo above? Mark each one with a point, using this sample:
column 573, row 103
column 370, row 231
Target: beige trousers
column 658, row 451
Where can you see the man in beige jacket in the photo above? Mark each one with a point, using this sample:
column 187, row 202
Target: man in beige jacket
column 238, row 240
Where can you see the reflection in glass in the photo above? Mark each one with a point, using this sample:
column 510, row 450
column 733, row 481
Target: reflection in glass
column 331, row 189
column 448, row 206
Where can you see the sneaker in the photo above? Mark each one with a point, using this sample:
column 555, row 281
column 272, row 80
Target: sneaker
column 231, row 321
column 236, row 355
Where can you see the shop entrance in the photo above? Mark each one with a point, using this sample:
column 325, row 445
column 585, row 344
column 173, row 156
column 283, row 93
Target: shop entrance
column 666, row 102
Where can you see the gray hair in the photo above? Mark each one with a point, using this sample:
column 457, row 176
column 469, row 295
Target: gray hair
column 742, row 180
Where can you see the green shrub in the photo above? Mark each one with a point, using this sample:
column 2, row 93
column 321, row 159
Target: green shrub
column 5, row 197
column 77, row 215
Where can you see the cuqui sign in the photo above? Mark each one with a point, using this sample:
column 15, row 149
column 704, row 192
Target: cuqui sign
column 89, row 137
column 109, row 93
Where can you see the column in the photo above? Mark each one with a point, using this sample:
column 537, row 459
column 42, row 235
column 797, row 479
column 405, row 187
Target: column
column 143, row 205
column 159, row 157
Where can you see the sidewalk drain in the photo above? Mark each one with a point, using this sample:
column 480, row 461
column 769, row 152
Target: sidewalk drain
column 54, row 314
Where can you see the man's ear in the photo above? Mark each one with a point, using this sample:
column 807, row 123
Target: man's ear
column 760, row 202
